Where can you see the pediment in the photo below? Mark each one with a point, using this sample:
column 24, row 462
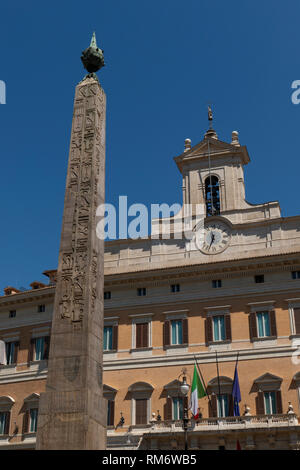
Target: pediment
column 108, row 389
column 175, row 384
column 32, row 397
column 222, row 379
column 267, row 378
column 217, row 148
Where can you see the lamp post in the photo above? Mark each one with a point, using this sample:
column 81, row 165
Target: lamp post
column 184, row 389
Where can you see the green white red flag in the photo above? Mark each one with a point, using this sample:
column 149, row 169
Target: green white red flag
column 197, row 392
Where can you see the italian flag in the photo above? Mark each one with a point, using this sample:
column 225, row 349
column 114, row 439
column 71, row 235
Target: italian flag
column 196, row 393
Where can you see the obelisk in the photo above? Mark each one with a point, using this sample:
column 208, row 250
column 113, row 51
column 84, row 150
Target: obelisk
column 72, row 410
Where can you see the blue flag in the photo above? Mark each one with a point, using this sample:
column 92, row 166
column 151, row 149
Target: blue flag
column 236, row 393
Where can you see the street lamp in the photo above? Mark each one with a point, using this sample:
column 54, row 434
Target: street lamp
column 184, row 389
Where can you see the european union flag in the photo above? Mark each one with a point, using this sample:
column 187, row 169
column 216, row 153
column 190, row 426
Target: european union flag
column 236, row 393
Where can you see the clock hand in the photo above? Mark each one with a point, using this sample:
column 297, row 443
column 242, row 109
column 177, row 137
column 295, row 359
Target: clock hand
column 212, row 240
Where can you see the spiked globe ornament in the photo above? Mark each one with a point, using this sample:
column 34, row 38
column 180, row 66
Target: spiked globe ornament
column 92, row 57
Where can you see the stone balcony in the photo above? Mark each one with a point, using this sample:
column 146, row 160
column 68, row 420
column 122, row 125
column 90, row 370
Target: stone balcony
column 253, row 432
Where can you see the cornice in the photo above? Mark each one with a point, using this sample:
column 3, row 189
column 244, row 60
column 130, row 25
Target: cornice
column 28, row 296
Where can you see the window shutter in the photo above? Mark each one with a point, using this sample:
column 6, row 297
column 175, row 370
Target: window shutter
column 17, row 345
column 185, row 331
column 273, row 323
column 145, row 335
column 31, row 350
column 228, row 327
column 141, row 411
column 115, row 337
column 46, row 347
column 138, row 336
column 208, row 330
column 260, row 404
column 111, row 405
column 168, row 409
column 252, row 325
column 7, row 422
column 25, row 422
column 297, row 320
column 278, row 402
column 230, row 404
column 213, row 407
column 166, row 333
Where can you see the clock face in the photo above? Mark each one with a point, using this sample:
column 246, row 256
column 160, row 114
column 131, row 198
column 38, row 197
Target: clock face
column 216, row 237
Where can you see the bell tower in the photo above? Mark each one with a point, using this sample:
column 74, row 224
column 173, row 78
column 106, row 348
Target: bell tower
column 213, row 175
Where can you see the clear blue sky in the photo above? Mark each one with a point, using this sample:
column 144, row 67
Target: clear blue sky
column 166, row 59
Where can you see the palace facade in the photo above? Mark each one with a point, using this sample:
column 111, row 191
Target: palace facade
column 168, row 301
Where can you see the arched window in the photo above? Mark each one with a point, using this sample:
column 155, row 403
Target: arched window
column 212, row 195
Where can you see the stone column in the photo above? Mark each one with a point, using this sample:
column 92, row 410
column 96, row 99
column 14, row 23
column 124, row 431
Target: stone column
column 72, row 411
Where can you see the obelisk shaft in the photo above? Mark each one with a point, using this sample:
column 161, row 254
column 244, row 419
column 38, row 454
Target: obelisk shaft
column 72, row 411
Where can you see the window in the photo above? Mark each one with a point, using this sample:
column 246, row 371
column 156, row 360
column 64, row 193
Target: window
column 108, row 338
column 219, row 328
column 11, row 352
column 259, row 279
column 216, row 284
column 212, row 195
column 141, row 291
column 12, row 314
column 141, row 339
column 176, row 329
column 41, row 308
column 175, row 332
column 263, row 324
column 295, row 274
column 270, row 403
column 222, row 405
column 39, row 348
column 268, row 400
column 177, row 408
column 107, row 295
column 4, row 422
column 33, row 414
column 175, row 288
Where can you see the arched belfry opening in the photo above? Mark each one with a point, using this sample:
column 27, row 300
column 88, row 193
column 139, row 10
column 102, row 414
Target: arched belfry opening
column 212, row 195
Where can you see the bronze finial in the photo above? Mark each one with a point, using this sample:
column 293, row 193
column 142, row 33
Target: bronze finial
column 93, row 58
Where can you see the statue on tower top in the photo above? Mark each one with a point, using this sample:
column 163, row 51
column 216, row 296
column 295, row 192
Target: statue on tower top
column 93, row 58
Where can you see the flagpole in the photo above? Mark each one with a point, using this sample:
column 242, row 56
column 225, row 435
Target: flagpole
column 218, row 373
column 211, row 408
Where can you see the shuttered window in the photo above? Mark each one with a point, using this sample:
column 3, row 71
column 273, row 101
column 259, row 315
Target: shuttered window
column 176, row 327
column 142, row 335
column 141, row 405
